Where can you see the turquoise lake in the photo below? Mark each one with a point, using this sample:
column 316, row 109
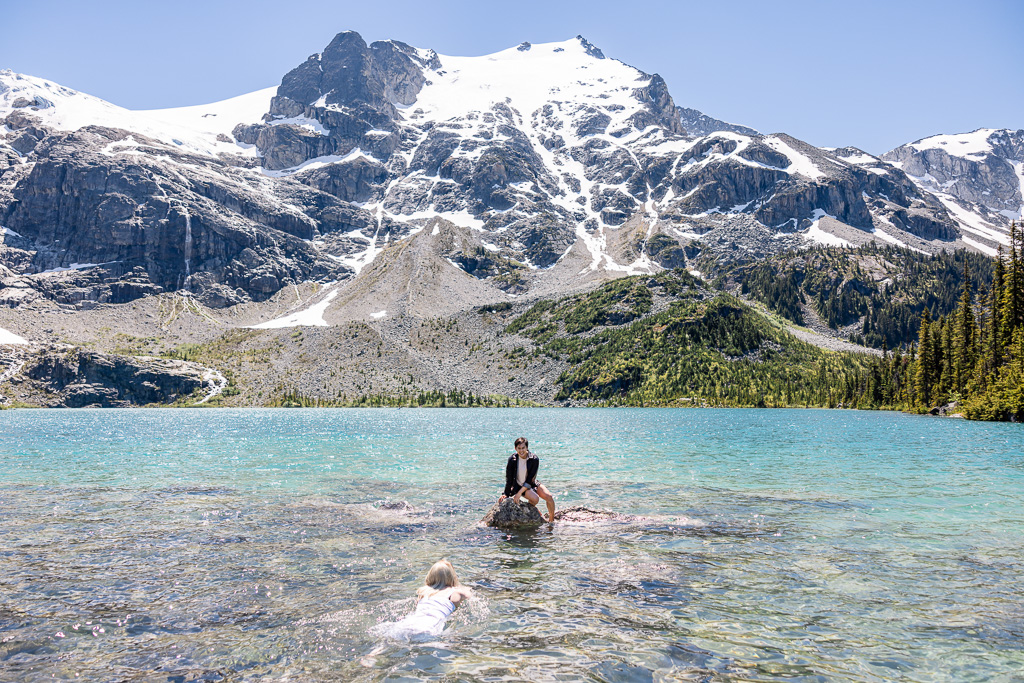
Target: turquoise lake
column 243, row 545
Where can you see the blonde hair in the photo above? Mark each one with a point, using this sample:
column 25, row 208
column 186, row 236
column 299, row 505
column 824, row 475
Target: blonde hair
column 442, row 575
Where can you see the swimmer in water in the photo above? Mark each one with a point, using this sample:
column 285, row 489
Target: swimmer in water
column 438, row 598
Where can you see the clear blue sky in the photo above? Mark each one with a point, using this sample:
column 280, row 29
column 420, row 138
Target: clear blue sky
column 874, row 74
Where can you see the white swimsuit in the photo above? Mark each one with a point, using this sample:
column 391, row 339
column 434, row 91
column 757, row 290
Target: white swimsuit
column 428, row 619
column 435, row 608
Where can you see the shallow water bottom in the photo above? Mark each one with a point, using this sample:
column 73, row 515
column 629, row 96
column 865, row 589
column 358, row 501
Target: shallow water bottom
column 208, row 585
column 264, row 545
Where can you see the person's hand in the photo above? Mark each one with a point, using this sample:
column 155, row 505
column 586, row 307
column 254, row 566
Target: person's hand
column 503, row 497
column 515, row 499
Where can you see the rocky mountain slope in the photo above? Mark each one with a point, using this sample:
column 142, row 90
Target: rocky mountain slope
column 384, row 186
column 537, row 149
column 69, row 377
column 978, row 177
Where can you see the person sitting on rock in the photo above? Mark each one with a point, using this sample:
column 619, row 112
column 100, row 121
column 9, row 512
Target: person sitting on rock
column 521, row 479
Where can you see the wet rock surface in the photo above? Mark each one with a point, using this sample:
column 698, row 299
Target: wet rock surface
column 508, row 515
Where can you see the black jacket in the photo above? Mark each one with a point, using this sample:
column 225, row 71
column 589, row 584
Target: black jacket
column 512, row 469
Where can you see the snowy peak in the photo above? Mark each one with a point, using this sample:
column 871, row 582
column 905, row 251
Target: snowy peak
column 53, row 105
column 978, row 177
column 527, row 80
column 975, row 145
column 30, row 102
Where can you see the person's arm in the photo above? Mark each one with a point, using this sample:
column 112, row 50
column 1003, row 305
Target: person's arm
column 520, row 492
column 458, row 593
column 510, row 479
column 532, row 467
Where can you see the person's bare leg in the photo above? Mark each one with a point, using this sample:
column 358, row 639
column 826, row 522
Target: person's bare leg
column 549, row 499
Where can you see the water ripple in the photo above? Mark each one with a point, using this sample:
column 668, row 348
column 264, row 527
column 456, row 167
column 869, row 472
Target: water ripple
column 755, row 545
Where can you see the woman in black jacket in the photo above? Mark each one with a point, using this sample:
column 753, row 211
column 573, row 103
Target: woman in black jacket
column 521, row 478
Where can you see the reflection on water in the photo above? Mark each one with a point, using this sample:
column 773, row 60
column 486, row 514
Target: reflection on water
column 241, row 545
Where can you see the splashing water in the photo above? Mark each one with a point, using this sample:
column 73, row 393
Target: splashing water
column 217, row 383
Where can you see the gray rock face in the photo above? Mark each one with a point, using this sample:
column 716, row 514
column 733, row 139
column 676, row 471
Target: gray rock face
column 661, row 111
column 165, row 222
column 698, row 124
column 352, row 90
column 590, row 48
column 76, row 378
column 508, row 515
column 730, row 175
column 979, row 172
column 987, row 178
column 9, row 157
column 348, row 73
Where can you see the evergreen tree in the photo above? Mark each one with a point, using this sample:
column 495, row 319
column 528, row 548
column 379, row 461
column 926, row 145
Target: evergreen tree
column 900, row 388
column 1012, row 301
column 944, row 358
column 964, row 338
column 925, row 362
column 995, row 333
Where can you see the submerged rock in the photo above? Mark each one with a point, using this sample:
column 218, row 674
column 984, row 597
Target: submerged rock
column 399, row 505
column 508, row 515
column 578, row 513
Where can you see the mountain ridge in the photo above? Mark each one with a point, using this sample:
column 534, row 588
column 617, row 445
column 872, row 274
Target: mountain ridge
column 547, row 168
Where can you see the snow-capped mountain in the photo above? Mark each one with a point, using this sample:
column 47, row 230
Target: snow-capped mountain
column 978, row 177
column 549, row 146
column 547, row 165
column 56, row 108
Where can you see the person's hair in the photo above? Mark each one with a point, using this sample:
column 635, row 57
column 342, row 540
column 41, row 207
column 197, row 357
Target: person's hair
column 442, row 575
column 522, row 440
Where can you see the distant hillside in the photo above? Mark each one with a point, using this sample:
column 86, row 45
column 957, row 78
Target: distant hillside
column 874, row 295
column 666, row 340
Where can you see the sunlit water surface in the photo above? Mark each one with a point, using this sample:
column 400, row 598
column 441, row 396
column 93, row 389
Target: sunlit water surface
column 235, row 545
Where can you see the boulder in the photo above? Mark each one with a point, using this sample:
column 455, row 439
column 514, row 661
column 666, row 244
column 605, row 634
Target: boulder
column 508, row 515
column 74, row 378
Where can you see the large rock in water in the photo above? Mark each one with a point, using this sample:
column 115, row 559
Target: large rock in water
column 508, row 515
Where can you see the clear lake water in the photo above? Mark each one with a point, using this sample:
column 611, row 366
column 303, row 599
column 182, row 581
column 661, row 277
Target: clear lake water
column 759, row 545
